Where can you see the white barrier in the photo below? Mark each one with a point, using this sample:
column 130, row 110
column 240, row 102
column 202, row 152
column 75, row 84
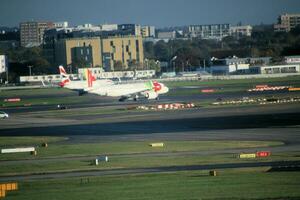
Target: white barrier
column 18, row 150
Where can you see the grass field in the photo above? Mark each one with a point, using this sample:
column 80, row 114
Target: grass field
column 110, row 148
column 123, row 155
column 230, row 184
column 249, row 83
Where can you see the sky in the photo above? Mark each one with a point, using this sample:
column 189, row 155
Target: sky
column 160, row 13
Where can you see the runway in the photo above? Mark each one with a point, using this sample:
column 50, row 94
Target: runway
column 281, row 164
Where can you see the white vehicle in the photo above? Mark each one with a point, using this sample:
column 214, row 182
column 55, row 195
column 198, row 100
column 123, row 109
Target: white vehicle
column 132, row 91
column 81, row 86
column 3, row 115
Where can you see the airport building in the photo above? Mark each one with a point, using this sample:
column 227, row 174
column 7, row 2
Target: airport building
column 287, row 22
column 32, row 33
column 106, row 52
column 211, row 31
column 229, row 66
column 277, row 69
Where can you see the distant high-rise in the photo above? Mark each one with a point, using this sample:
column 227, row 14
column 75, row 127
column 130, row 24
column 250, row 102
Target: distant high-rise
column 32, row 33
column 287, row 22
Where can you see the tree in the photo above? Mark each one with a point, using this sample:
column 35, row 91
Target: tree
column 149, row 50
column 162, row 51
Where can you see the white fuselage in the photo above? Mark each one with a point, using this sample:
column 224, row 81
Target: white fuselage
column 83, row 85
column 118, row 90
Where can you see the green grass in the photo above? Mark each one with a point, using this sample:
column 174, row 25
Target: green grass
column 291, row 80
column 85, row 149
column 229, row 86
column 122, row 155
column 37, row 140
column 230, row 184
column 30, row 92
column 130, row 161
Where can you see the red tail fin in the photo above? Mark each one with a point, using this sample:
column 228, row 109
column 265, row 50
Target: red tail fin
column 90, row 78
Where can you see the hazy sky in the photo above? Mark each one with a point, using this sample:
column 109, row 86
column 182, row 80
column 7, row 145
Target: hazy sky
column 160, row 13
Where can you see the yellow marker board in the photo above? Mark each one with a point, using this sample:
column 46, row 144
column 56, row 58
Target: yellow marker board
column 247, row 155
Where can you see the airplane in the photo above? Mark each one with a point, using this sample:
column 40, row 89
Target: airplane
column 81, row 86
column 131, row 91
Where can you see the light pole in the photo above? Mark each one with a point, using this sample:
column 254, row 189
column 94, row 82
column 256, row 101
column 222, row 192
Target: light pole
column 29, row 69
column 172, row 62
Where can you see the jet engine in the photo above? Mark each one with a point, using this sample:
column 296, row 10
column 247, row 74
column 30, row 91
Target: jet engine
column 151, row 95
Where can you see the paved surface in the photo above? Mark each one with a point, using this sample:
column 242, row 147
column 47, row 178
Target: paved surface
column 284, row 165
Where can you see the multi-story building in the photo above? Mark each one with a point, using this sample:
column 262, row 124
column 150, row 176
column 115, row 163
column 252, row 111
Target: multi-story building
column 124, row 49
column 130, row 29
column 69, row 51
column 240, row 31
column 64, row 24
column 287, row 22
column 148, row 31
column 166, row 35
column 32, row 33
column 109, row 27
column 96, row 51
column 211, row 31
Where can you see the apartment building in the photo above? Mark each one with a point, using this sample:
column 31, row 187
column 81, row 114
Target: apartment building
column 32, row 33
column 287, row 22
column 211, row 31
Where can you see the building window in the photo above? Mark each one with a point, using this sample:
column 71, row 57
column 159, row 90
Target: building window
column 137, row 45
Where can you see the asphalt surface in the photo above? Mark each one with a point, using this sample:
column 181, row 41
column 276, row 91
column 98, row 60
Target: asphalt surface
column 281, row 165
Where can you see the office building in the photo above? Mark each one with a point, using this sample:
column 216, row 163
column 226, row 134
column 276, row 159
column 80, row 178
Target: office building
column 72, row 50
column 103, row 52
column 125, row 50
column 32, row 33
column 287, row 22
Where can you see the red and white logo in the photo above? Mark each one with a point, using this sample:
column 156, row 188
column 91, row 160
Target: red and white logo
column 156, row 86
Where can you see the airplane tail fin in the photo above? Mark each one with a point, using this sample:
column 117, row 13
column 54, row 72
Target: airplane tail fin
column 64, row 76
column 89, row 77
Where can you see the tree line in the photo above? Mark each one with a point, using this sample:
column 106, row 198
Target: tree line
column 189, row 53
